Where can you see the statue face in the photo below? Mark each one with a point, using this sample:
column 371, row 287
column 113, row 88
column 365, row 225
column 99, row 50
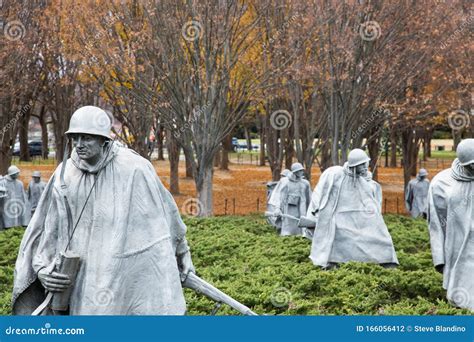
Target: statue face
column 36, row 179
column 362, row 169
column 15, row 175
column 471, row 166
column 299, row 173
column 88, row 147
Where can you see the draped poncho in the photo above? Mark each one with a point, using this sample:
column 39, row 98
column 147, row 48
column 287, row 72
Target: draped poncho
column 127, row 240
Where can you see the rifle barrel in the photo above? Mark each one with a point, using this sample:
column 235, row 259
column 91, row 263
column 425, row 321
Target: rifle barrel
column 201, row 286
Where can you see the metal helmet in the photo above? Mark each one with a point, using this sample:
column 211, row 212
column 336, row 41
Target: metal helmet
column 13, row 170
column 357, row 157
column 422, row 172
column 36, row 174
column 285, row 173
column 90, row 120
column 295, row 167
column 465, row 152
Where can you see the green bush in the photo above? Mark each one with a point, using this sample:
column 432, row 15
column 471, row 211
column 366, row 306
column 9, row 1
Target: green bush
column 245, row 258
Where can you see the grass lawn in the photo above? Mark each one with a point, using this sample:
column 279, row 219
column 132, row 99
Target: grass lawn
column 244, row 257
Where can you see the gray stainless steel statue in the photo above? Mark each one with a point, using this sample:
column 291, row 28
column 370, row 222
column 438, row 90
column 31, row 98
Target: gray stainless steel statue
column 35, row 189
column 451, row 223
column 106, row 205
column 16, row 209
column 274, row 200
column 346, row 205
column 416, row 195
column 295, row 196
column 3, row 195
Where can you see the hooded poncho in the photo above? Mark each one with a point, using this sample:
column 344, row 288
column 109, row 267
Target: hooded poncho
column 295, row 195
column 16, row 208
column 416, row 196
column 274, row 201
column 451, row 223
column 127, row 240
column 350, row 226
column 34, row 193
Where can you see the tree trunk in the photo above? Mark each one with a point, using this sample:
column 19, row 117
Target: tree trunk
column 60, row 142
column 226, row 147
column 247, row 138
column 393, row 148
column 325, row 154
column 273, row 139
column 173, row 156
column 8, row 121
column 5, row 159
column 426, row 148
column 427, row 144
column 456, row 138
column 374, row 149
column 141, row 147
column 410, row 154
column 262, row 142
column 289, row 152
column 217, row 158
column 204, row 191
column 23, row 136
column 276, row 173
column 44, row 133
column 64, row 106
column 189, row 167
column 159, row 143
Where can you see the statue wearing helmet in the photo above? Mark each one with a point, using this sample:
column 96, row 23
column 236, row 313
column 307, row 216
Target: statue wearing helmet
column 346, row 205
column 274, row 198
column 450, row 218
column 292, row 200
column 416, row 195
column 15, row 205
column 35, row 189
column 106, row 206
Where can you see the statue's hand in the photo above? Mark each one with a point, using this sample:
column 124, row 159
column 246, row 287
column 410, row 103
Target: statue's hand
column 54, row 282
column 185, row 265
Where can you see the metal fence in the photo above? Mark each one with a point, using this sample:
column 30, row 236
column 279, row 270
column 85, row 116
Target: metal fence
column 432, row 163
column 232, row 206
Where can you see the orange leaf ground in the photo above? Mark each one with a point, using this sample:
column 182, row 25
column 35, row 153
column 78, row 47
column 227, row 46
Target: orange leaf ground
column 242, row 189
